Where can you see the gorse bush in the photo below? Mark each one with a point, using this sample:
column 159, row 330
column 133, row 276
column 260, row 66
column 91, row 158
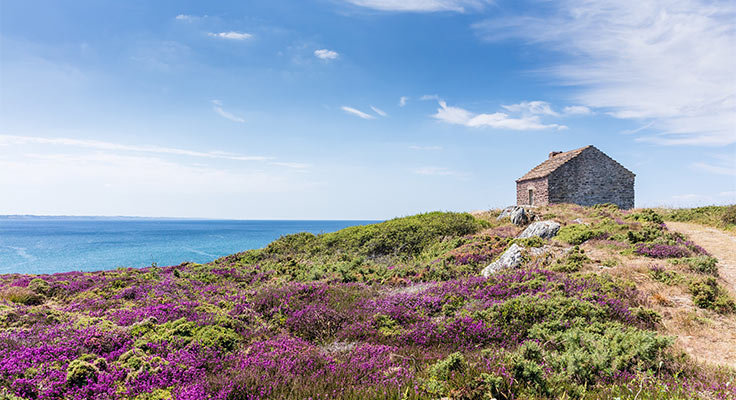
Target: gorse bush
column 572, row 262
column 647, row 215
column 701, row 264
column 707, row 293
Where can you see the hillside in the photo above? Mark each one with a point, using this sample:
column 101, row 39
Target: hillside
column 616, row 305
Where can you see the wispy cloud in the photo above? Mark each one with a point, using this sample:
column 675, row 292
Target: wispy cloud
column 109, row 146
column 403, row 100
column 325, row 54
column 497, row 120
column 358, row 113
column 294, row 165
column 715, row 169
column 378, row 111
column 670, row 63
column 421, row 5
column 532, row 107
column 425, row 148
column 231, row 35
column 439, row 171
column 217, row 106
column 721, row 164
column 577, row 110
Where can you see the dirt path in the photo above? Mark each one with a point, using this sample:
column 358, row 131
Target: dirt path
column 719, row 244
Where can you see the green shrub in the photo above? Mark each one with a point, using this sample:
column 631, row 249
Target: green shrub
column 444, row 368
column 647, row 215
column 572, row 262
column 729, row 215
column 575, row 234
column 39, row 286
column 403, row 236
column 79, row 372
column 586, row 352
column 534, row 241
column 701, row 264
column 669, row 278
column 707, row 293
column 21, row 295
column 717, row 216
column 648, row 232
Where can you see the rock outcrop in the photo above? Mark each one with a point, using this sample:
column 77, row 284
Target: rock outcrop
column 511, row 258
column 543, row 229
column 518, row 215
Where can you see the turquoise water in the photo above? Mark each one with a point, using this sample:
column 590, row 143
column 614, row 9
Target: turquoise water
column 42, row 245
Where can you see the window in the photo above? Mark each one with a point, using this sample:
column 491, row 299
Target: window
column 531, row 197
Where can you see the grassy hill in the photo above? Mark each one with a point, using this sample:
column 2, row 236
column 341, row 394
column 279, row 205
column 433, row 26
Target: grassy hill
column 615, row 306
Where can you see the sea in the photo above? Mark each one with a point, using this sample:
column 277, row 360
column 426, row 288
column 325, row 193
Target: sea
column 46, row 245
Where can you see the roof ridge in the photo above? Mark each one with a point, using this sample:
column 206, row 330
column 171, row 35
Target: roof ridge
column 552, row 163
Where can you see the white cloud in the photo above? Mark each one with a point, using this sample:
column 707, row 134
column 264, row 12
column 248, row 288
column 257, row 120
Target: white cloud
column 403, row 100
column 532, row 107
column 430, row 97
column 7, row 140
column 231, row 35
column 421, row 5
column 378, row 111
column 426, row 148
column 577, row 110
column 217, row 106
column 498, row 120
column 186, row 18
column 439, row 171
column 325, row 54
column 669, row 63
column 361, row 114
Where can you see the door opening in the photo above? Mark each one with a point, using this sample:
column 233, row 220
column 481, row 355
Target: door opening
column 531, row 197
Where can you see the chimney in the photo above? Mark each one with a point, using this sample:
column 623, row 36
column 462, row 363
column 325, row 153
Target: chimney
column 554, row 153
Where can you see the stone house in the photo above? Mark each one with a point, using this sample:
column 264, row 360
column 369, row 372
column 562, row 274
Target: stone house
column 584, row 176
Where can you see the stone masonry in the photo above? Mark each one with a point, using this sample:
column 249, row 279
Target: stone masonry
column 584, row 176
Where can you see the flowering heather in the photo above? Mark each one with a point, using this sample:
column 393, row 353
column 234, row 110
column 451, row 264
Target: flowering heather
column 263, row 325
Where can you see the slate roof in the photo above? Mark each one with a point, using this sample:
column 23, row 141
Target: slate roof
column 551, row 164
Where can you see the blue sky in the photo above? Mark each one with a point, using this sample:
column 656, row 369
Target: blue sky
column 332, row 109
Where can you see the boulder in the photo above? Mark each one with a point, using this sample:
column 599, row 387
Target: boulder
column 511, row 258
column 505, row 213
column 519, row 216
column 543, row 229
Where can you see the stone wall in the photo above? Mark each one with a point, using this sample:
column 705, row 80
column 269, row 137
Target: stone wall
column 539, row 188
column 591, row 178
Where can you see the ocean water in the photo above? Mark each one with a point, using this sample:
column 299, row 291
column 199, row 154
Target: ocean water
column 41, row 245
